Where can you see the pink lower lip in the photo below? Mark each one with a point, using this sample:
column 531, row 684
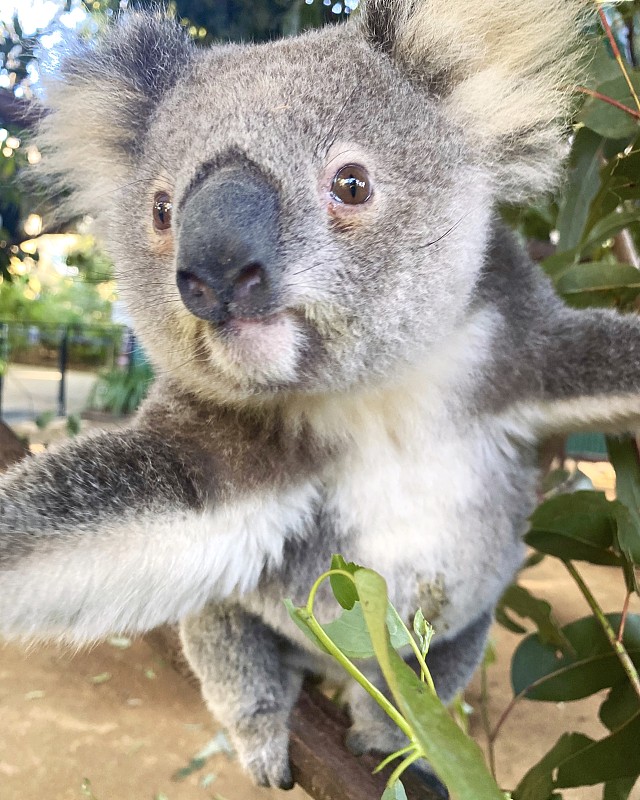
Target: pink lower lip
column 237, row 325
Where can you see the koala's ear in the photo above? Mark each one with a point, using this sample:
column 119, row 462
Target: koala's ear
column 99, row 102
column 505, row 70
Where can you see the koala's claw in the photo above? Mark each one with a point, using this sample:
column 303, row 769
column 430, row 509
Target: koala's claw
column 264, row 754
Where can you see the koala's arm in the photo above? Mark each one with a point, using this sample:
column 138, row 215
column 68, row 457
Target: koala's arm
column 587, row 373
column 106, row 534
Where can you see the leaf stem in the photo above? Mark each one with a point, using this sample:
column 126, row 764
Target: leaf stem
column 620, row 650
column 393, row 756
column 484, row 714
column 395, row 775
column 616, row 53
column 345, row 663
column 425, row 674
column 606, row 99
column 623, row 618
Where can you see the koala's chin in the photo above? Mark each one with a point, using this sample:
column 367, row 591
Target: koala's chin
column 262, row 351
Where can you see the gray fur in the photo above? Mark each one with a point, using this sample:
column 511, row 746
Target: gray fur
column 383, row 397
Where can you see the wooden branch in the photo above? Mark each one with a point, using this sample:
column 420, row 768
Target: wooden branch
column 321, row 763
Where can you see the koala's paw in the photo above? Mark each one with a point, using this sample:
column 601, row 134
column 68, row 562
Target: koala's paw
column 380, row 738
column 376, row 737
column 262, row 745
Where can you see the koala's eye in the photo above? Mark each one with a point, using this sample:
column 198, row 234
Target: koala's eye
column 162, row 211
column 351, row 185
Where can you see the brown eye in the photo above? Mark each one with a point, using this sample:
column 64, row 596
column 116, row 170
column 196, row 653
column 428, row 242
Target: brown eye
column 162, row 211
column 351, row 185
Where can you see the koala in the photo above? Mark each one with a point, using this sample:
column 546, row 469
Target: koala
column 353, row 355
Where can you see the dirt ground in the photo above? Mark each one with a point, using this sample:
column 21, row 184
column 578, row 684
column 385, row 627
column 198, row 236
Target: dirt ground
column 123, row 719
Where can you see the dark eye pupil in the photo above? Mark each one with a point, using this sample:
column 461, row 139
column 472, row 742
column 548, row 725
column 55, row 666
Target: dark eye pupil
column 162, row 211
column 351, row 185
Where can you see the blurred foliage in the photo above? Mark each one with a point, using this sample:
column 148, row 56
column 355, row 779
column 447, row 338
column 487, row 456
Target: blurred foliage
column 120, row 391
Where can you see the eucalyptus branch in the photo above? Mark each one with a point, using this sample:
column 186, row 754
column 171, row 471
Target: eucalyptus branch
column 397, row 773
column 617, row 54
column 345, row 663
column 605, row 99
column 619, row 648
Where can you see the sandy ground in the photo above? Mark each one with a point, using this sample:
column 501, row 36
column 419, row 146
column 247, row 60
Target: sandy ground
column 124, row 720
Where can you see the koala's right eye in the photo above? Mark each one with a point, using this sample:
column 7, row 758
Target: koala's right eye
column 162, row 211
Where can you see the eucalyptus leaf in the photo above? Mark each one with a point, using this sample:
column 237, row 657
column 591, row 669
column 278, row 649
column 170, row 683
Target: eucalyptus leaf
column 456, row 759
column 543, row 673
column 578, row 526
column 607, row 120
column 343, row 589
column 394, row 792
column 623, row 454
column 619, row 789
column 608, row 227
column 598, row 284
column 525, row 605
column 350, row 634
column 581, row 188
column 621, row 704
column 616, row 756
column 539, row 783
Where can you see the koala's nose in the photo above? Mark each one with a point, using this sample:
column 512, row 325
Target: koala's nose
column 228, row 246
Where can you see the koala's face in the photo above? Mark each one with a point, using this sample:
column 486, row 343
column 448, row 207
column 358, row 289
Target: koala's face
column 308, row 215
column 304, row 220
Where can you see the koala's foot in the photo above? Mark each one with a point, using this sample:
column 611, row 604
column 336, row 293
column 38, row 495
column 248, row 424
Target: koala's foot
column 262, row 745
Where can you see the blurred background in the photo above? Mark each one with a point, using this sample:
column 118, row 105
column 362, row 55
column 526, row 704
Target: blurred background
column 67, row 354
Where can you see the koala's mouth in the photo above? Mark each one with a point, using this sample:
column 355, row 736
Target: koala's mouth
column 266, row 346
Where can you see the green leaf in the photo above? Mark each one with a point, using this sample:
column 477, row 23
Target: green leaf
column 579, row 526
column 623, row 454
column 538, row 783
column 619, row 789
column 598, row 284
column 555, row 544
column 582, row 186
column 507, row 622
column 349, row 631
column 525, row 605
column 456, row 759
column 608, row 227
column 607, row 120
column 343, row 589
column 584, row 516
column 394, row 792
column 616, row 756
column 621, row 704
column 301, row 616
column 556, row 264
column 544, row 674
column 423, row 631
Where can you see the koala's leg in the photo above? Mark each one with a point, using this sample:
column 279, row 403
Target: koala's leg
column 246, row 685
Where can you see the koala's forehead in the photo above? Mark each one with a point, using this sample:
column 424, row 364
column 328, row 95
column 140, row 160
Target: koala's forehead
column 294, row 95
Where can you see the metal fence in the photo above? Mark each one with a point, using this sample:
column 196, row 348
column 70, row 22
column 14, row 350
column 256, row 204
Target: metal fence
column 84, row 347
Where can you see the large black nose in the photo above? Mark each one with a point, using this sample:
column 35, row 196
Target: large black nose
column 228, row 245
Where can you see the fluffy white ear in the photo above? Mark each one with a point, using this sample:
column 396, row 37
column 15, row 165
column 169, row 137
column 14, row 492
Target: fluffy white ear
column 98, row 104
column 506, row 70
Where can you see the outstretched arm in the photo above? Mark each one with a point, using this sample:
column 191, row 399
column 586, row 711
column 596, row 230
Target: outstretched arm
column 113, row 532
column 588, row 374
